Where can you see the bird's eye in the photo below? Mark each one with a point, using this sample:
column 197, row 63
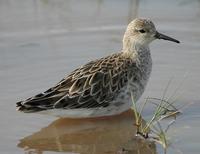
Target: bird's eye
column 142, row 31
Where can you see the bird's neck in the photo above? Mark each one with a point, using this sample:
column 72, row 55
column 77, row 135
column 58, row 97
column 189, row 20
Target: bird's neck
column 132, row 48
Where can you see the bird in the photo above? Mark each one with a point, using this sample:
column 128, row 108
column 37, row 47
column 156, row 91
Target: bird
column 105, row 86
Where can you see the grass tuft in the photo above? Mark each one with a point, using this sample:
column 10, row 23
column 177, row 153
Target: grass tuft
column 163, row 109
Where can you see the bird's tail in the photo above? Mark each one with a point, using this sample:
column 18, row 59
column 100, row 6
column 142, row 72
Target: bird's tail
column 27, row 109
column 40, row 102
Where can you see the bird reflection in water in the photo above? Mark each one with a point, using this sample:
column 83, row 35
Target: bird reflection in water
column 106, row 135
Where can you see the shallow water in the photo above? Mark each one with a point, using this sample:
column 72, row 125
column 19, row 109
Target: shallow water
column 102, row 135
column 43, row 40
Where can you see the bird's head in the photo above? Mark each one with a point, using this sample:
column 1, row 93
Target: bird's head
column 142, row 32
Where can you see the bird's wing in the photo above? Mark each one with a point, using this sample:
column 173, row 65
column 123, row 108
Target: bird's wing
column 92, row 85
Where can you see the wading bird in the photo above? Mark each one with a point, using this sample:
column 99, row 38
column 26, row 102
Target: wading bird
column 104, row 86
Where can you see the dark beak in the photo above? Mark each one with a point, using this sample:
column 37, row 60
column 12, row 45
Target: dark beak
column 165, row 37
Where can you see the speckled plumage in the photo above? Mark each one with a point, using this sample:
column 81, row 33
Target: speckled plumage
column 104, row 86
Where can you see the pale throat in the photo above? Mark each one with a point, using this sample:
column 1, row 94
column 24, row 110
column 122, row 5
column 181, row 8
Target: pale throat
column 133, row 48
